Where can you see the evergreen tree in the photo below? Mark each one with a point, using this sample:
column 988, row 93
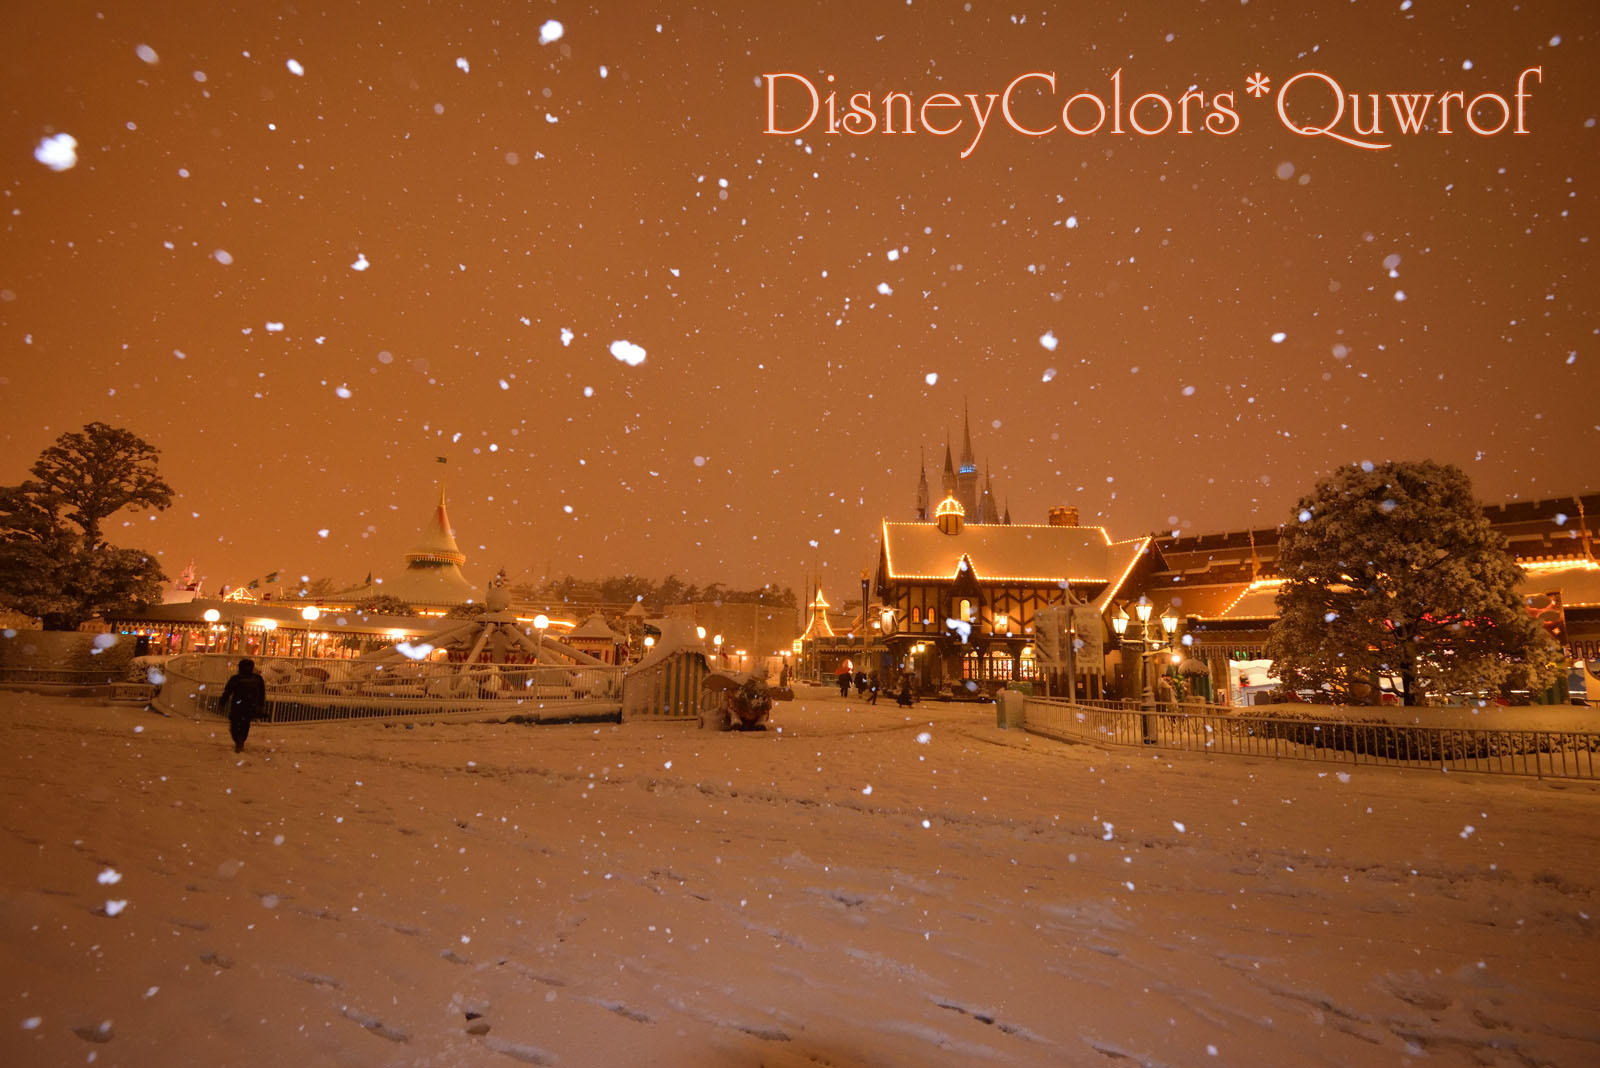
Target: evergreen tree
column 1393, row 570
column 384, row 604
column 54, row 561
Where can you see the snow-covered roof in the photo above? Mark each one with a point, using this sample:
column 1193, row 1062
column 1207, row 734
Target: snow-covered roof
column 677, row 636
column 1017, row 553
column 1259, row 600
column 595, row 627
column 438, row 584
column 433, row 569
column 438, row 542
column 1578, row 581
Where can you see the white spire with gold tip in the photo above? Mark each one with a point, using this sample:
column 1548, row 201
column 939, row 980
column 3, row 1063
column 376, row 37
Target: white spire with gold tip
column 432, row 576
column 438, row 544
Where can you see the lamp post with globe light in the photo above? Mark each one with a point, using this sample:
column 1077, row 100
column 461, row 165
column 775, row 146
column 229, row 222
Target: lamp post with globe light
column 211, row 616
column 1146, row 646
column 310, row 613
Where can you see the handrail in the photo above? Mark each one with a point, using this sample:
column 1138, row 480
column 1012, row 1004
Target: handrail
column 305, row 690
column 1490, row 751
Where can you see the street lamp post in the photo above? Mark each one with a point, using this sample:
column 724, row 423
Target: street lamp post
column 866, row 624
column 310, row 613
column 1147, row 647
column 212, row 616
column 541, row 622
column 716, row 640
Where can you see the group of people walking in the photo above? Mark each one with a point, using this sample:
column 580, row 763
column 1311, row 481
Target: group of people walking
column 866, row 685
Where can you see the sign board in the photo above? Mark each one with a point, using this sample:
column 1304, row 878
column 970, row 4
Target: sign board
column 1050, row 631
column 1049, row 623
column 1090, row 631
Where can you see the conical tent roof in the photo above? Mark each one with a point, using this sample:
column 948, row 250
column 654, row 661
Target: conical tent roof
column 432, row 575
column 438, row 543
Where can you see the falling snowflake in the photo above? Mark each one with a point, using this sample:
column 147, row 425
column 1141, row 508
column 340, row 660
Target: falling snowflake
column 59, row 153
column 1049, row 341
column 628, row 352
column 551, row 31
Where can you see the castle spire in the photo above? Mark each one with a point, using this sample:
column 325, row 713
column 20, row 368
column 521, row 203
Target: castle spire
column 968, row 464
column 922, row 489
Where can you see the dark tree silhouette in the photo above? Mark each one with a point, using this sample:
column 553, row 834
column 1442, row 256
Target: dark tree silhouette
column 54, row 561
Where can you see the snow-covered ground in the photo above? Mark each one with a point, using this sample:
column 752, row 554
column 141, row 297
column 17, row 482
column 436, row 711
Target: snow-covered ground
column 857, row 886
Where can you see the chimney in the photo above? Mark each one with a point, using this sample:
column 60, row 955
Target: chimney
column 1064, row 516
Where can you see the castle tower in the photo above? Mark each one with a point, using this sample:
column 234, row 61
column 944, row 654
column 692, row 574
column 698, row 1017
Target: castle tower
column 988, row 513
column 967, row 477
column 922, row 492
column 949, row 480
column 817, row 626
column 950, row 516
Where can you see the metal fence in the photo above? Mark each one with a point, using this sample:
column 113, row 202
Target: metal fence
column 29, row 676
column 1532, row 753
column 301, row 691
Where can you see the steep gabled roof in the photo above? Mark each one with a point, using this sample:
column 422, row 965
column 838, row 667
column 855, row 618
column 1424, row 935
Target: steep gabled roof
column 1084, row 556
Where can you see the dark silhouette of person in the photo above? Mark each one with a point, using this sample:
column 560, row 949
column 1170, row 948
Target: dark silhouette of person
column 244, row 699
column 903, row 698
column 861, row 684
column 873, row 686
column 843, row 679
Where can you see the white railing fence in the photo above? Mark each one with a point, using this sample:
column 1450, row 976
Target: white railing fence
column 302, row 690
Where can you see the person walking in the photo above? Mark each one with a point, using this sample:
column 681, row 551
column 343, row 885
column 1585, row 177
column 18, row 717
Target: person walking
column 244, row 699
column 843, row 679
column 872, row 688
